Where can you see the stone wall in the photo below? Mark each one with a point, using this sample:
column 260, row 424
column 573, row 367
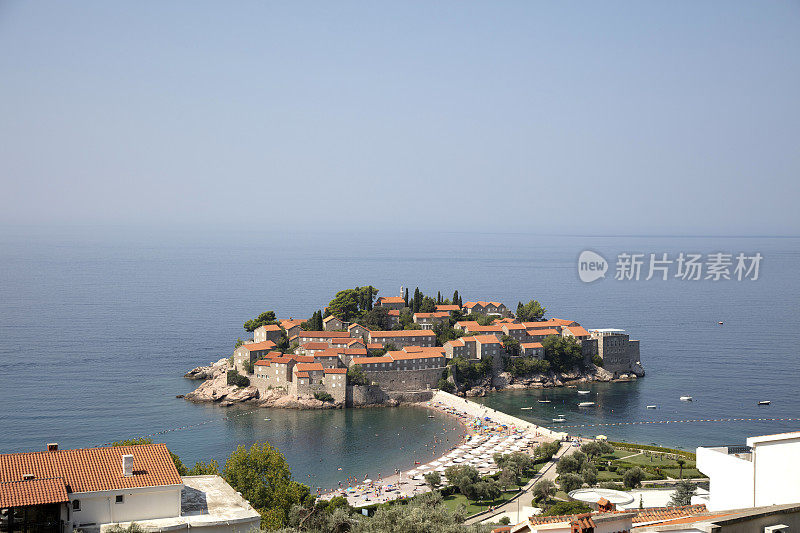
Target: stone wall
column 358, row 395
column 405, row 380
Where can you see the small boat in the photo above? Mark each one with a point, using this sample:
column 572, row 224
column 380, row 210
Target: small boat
column 764, row 402
column 652, row 407
column 720, row 322
column 585, row 404
column 267, row 419
column 584, row 391
column 431, row 416
column 559, row 419
column 526, row 408
column 544, row 401
column 686, row 398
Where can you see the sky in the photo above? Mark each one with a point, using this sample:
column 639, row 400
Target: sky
column 532, row 117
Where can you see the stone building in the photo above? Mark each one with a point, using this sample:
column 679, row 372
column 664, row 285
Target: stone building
column 620, row 354
column 486, row 308
column 391, row 302
column 269, row 332
column 428, row 320
column 401, row 338
column 248, row 354
column 331, row 323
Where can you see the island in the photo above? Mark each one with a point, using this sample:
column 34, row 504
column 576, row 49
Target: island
column 366, row 350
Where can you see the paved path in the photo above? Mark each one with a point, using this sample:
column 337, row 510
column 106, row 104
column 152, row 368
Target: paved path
column 548, row 471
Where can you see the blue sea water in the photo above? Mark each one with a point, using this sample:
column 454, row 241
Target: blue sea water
column 95, row 334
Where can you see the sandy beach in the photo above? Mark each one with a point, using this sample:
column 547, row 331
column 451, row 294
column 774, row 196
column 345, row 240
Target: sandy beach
column 486, row 432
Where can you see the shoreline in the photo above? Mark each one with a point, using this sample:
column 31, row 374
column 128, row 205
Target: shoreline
column 496, row 426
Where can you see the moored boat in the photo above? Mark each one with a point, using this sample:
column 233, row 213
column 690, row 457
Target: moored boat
column 585, row 404
column 559, row 419
column 584, row 391
column 652, row 407
column 764, row 402
column 686, row 398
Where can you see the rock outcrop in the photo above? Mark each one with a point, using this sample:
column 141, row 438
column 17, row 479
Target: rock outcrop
column 215, row 388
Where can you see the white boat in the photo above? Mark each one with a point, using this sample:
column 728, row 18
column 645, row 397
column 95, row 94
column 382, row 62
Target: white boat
column 686, row 398
column 585, row 404
column 652, row 407
column 559, row 419
column 431, row 416
column 584, row 391
column 526, row 408
column 764, row 402
column 544, row 401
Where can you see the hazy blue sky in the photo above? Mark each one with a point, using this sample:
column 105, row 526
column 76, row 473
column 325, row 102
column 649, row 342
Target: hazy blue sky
column 551, row 117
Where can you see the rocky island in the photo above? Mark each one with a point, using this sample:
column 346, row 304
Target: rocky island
column 369, row 350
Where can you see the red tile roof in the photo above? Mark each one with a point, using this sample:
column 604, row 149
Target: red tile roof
column 262, row 362
column 394, row 312
column 94, row 469
column 448, row 308
column 374, row 346
column 289, row 323
column 270, row 327
column 302, row 374
column 309, row 367
column 32, row 492
column 531, row 345
column 539, row 332
column 403, row 356
column 578, row 331
column 486, row 339
column 259, row 346
column 438, row 314
column 315, row 346
column 336, row 371
column 391, row 300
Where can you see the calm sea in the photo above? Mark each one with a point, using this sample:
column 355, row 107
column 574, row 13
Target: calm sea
column 95, row 335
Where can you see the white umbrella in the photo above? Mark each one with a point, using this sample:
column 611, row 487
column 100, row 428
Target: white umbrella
column 367, row 481
column 440, row 469
column 435, row 463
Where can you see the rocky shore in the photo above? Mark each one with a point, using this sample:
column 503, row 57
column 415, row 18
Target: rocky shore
column 215, row 388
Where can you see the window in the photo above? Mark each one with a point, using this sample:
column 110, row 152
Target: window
column 119, row 499
column 76, row 505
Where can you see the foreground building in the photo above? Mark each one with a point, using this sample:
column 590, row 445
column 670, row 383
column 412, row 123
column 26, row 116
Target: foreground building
column 766, row 471
column 620, row 354
column 59, row 491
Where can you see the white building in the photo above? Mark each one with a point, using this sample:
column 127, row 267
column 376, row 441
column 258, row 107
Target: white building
column 58, row 491
column 764, row 472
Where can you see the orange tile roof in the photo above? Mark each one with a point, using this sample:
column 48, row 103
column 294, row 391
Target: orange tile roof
column 511, row 325
column 403, row 333
column 283, row 360
column 330, row 352
column 394, row 312
column 531, row 345
column 578, row 331
column 94, row 469
column 667, row 513
column 262, row 362
column 303, row 358
column 309, row 367
column 270, row 327
column 448, row 308
column 485, row 328
column 316, row 346
column 470, row 305
column 391, row 300
column 365, row 360
column 259, row 346
column 323, row 334
column 374, row 346
column 456, row 342
column 423, row 349
column 336, row 371
column 289, row 323
column 355, row 351
column 302, row 374
column 32, row 492
column 467, row 323
column 486, row 339
column 437, row 314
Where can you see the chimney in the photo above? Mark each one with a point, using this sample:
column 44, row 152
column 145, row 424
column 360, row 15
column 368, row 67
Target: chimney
column 127, row 465
column 28, row 477
column 52, row 446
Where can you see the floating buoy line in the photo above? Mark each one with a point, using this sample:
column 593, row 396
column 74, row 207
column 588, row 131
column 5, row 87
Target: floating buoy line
column 694, row 421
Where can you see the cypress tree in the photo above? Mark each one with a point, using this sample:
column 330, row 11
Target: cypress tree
column 406, row 296
column 455, row 299
column 439, row 297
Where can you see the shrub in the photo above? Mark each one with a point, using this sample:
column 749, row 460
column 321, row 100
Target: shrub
column 356, row 376
column 633, row 478
column 569, row 481
column 445, row 385
column 323, row 396
column 505, row 520
column 562, row 508
column 249, row 367
column 234, row 378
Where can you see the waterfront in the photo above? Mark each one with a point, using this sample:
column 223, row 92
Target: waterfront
column 96, row 334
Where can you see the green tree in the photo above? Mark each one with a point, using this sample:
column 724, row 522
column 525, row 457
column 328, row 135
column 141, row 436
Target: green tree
column 565, row 508
column 262, row 476
column 433, row 479
column 511, row 345
column 530, row 312
column 345, row 305
column 376, row 318
column 684, row 490
column 406, row 317
column 417, row 300
column 445, row 385
column 543, row 490
column 569, row 481
column 233, row 378
column 239, row 342
column 438, row 297
column 406, row 297
column 680, row 462
column 508, row 476
column 265, row 318
column 633, row 478
column 563, row 353
column 589, row 474
column 427, row 305
column 201, row 468
column 356, row 376
column 571, row 463
column 424, row 514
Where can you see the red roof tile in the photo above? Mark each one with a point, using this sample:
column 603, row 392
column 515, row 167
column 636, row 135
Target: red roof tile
column 323, row 334
column 309, row 367
column 403, row 333
column 259, row 346
column 336, row 371
column 270, row 327
column 32, row 492
column 94, row 469
column 315, row 346
column 366, row 360
column 391, row 300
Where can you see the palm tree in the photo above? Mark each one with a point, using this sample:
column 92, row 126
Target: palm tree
column 680, row 462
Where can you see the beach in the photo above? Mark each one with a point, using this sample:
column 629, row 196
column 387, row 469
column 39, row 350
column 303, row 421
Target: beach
column 486, row 432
